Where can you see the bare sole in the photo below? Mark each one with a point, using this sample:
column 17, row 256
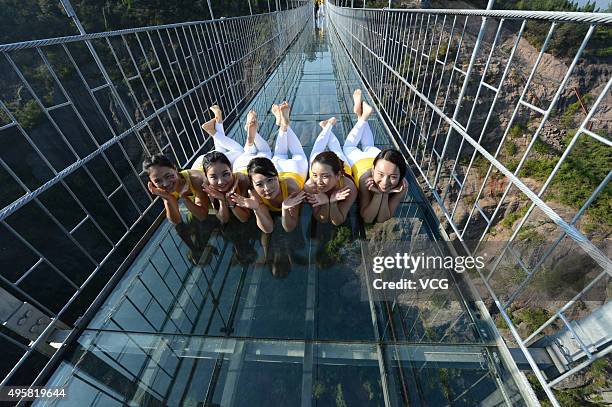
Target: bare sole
column 209, row 127
column 357, row 102
column 366, row 111
column 217, row 111
column 277, row 114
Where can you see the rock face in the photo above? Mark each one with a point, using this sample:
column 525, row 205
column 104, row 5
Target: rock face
column 567, row 269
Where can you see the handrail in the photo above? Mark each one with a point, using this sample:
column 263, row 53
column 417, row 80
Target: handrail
column 123, row 95
column 405, row 57
column 558, row 16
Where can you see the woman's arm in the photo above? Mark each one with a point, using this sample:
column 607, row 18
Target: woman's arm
column 341, row 201
column 264, row 219
column 242, row 182
column 262, row 214
column 370, row 199
column 199, row 206
column 224, row 212
column 319, row 203
column 394, row 198
column 384, row 213
column 291, row 206
column 173, row 213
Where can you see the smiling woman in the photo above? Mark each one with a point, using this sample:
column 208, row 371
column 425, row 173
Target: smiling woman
column 379, row 174
column 277, row 183
column 172, row 185
column 271, row 193
column 220, row 183
column 329, row 190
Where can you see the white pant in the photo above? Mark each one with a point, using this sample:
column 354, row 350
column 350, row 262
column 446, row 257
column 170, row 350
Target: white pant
column 287, row 142
column 238, row 155
column 327, row 139
column 361, row 133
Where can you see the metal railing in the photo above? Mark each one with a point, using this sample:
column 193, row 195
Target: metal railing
column 81, row 113
column 454, row 86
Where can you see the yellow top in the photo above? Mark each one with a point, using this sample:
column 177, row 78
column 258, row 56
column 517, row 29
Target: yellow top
column 188, row 184
column 360, row 168
column 284, row 192
column 347, row 170
column 296, row 177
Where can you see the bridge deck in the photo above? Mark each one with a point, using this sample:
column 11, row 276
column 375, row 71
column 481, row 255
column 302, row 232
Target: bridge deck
column 205, row 316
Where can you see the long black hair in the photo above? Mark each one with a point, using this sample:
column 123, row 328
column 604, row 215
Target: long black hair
column 263, row 166
column 159, row 160
column 395, row 157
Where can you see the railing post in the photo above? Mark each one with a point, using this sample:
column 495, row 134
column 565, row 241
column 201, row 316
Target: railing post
column 384, row 55
column 212, row 16
column 72, row 14
column 466, row 81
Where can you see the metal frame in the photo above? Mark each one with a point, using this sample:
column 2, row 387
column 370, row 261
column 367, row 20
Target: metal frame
column 159, row 82
column 412, row 38
column 481, row 325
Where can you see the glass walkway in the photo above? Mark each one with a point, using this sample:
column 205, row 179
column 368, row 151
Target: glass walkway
column 211, row 315
column 503, row 117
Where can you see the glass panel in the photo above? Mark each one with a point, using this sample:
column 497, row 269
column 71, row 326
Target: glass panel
column 225, row 315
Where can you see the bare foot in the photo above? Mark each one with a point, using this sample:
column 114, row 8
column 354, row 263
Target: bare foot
column 331, row 120
column 217, row 111
column 284, row 108
column 209, row 127
column 251, row 127
column 357, row 102
column 276, row 112
column 367, row 111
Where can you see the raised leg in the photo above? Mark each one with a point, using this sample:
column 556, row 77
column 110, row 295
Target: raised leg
column 322, row 140
column 222, row 142
column 351, row 149
column 294, row 145
column 334, row 145
column 262, row 145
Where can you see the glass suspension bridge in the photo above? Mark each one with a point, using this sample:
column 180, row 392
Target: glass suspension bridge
column 101, row 296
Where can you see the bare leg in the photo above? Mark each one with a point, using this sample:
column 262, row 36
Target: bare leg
column 209, row 127
column 366, row 112
column 322, row 141
column 361, row 134
column 251, row 128
column 357, row 100
column 277, row 114
column 223, row 143
column 284, row 120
